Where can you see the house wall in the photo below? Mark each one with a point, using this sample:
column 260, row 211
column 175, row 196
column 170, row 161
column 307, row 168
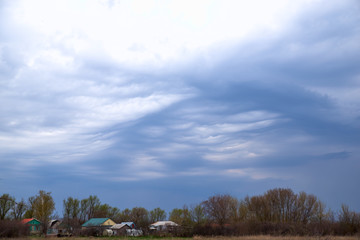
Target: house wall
column 121, row 231
column 34, row 226
column 108, row 222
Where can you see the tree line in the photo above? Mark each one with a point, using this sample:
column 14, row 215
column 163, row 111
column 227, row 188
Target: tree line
column 278, row 211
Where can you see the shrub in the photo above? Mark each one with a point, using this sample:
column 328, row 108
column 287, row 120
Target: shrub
column 12, row 228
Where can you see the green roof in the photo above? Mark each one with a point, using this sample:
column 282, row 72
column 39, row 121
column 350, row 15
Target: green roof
column 94, row 222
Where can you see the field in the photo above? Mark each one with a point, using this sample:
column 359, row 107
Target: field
column 279, row 238
column 259, row 237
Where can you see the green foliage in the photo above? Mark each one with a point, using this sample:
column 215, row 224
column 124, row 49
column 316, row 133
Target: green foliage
column 157, row 214
column 43, row 206
column 181, row 216
column 198, row 215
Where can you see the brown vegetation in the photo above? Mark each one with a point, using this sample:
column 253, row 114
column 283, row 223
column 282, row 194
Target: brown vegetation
column 257, row 237
column 277, row 212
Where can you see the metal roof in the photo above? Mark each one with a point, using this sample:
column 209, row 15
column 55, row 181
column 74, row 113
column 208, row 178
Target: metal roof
column 166, row 223
column 26, row 220
column 130, row 224
column 94, row 222
column 118, row 226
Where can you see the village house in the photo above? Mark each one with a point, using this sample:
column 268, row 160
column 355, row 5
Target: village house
column 98, row 223
column 163, row 226
column 58, row 228
column 99, row 226
column 34, row 225
column 125, row 229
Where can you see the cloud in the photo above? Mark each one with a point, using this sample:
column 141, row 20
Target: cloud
column 212, row 95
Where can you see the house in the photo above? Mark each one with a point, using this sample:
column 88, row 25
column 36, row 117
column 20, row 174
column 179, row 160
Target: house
column 130, row 224
column 163, row 226
column 58, row 228
column 99, row 223
column 53, row 227
column 134, row 232
column 121, row 229
column 34, row 225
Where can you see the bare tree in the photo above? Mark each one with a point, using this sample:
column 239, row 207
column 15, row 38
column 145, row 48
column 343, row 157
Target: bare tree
column 30, row 208
column 220, row 208
column 140, row 216
column 114, row 213
column 280, row 204
column 6, row 203
column 18, row 209
column 349, row 220
column 125, row 215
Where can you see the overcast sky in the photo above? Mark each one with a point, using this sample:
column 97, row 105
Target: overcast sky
column 165, row 103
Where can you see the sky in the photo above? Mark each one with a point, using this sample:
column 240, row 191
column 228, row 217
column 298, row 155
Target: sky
column 165, row 103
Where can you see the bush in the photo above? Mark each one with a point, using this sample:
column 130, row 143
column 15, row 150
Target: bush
column 12, row 228
column 91, row 232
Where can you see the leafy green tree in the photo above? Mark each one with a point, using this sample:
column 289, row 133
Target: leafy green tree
column 88, row 208
column 84, row 206
column 94, row 203
column 71, row 213
column 198, row 215
column 181, row 216
column 43, row 207
column 157, row 214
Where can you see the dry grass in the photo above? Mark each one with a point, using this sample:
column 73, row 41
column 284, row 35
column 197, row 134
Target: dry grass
column 265, row 237
column 258, row 237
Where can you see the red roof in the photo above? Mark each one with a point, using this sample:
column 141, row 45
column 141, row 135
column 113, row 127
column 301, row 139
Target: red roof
column 26, row 220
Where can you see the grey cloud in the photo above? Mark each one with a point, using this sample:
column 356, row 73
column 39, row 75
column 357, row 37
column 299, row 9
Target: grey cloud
column 243, row 123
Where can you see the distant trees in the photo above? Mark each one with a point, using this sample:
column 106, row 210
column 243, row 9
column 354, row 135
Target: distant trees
column 283, row 206
column 278, row 211
column 349, row 220
column 76, row 212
